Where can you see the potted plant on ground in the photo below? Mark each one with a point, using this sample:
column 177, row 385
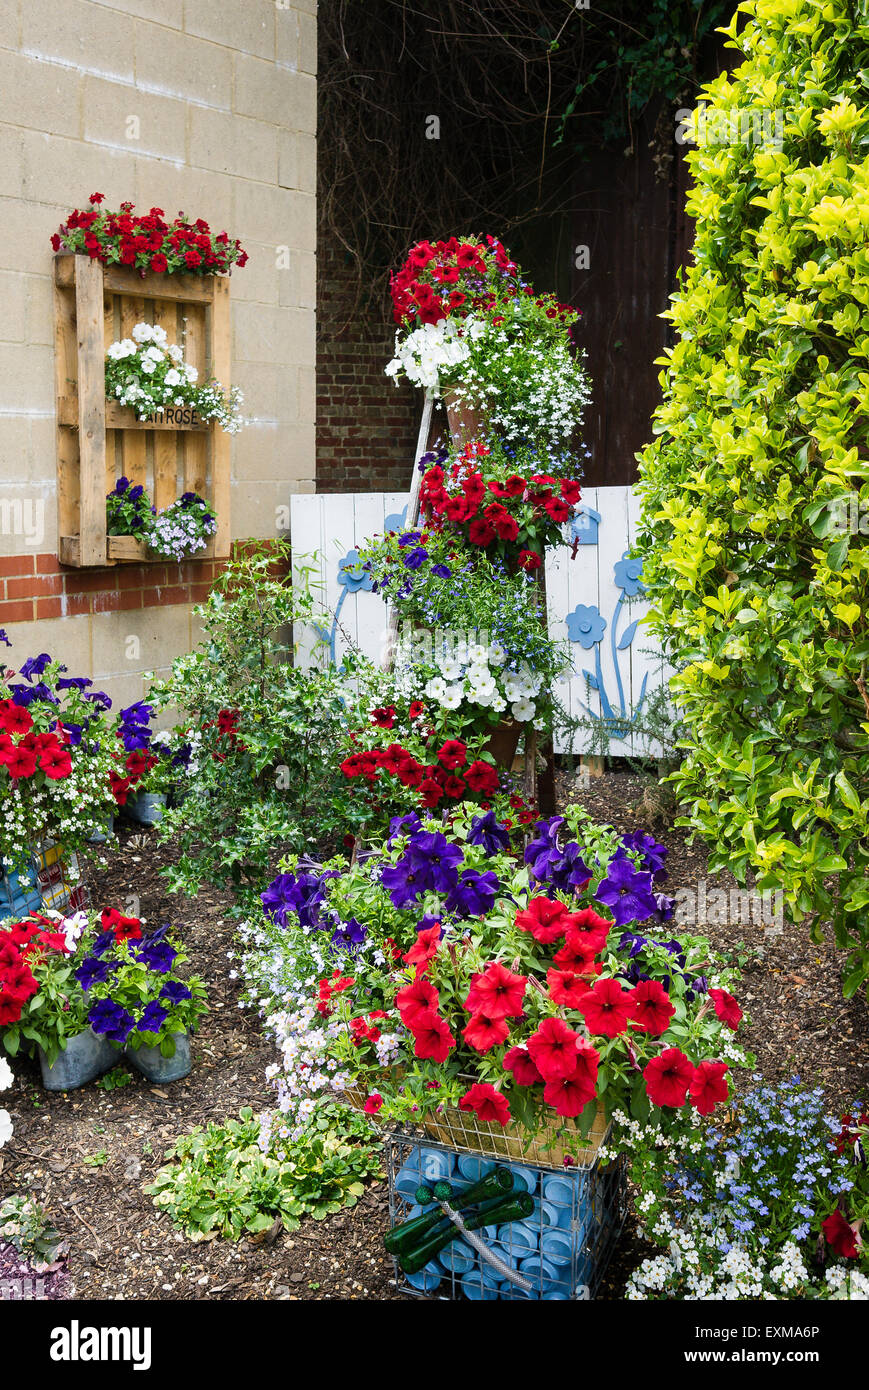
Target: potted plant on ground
column 512, row 1008
column 81, row 989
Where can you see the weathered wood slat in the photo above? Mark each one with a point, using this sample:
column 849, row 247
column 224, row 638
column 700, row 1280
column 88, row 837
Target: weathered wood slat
column 91, row 413
column 220, row 441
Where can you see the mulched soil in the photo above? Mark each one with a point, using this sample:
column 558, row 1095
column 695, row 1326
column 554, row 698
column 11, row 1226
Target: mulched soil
column 86, row 1155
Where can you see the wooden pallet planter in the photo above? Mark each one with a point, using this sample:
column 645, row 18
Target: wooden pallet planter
column 97, row 439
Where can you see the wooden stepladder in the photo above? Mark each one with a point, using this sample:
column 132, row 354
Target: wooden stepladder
column 536, row 788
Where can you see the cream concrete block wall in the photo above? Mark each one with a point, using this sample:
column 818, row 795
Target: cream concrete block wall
column 193, row 105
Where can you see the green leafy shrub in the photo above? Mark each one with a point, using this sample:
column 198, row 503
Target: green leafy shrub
column 255, row 759
column 761, row 462
column 223, row 1182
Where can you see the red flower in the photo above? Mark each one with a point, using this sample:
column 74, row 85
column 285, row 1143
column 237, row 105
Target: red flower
column 21, row 762
column 454, row 753
column 487, row 1103
column 14, row 719
column 590, row 929
column 19, row 983
column 518, row 1060
column 708, row 1086
column 569, row 1095
column 484, row 1032
column 546, row 919
column 159, row 263
column 570, row 491
column 840, row 1235
column 97, row 198
column 373, row 1104
column 481, row 533
column 726, row 1008
column 432, row 1037
column 557, row 510
column 553, row 1049
column 668, row 1077
column 651, row 1009
column 425, row 946
column 497, row 991
column 415, row 999
column 55, row 762
column 576, row 955
column 227, row 720
column 606, row 1008
column 384, row 717
column 566, row 988
column 529, row 560
column 430, row 792
column 416, row 710
column 482, row 778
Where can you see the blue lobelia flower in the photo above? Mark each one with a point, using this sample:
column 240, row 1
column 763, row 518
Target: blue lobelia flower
column 628, row 891
column 488, row 833
column 111, row 1019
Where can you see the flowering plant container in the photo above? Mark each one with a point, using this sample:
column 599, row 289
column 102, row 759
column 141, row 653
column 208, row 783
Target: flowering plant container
column 85, row 1057
column 146, row 242
column 452, row 976
column 61, row 977
column 148, row 374
column 65, row 760
column 469, row 321
column 158, row 1063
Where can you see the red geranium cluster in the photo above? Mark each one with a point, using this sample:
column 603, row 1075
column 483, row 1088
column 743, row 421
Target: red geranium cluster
column 17, row 981
column 510, row 514
column 449, row 777
column 147, row 242
column 24, row 753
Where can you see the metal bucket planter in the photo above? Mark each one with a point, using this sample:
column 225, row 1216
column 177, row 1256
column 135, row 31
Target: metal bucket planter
column 146, row 807
column 86, row 1056
column 155, row 1067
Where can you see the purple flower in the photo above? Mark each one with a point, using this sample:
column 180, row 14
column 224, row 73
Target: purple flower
column 174, row 992
column 415, row 558
column 121, row 486
column 102, row 943
column 653, row 854
column 487, row 832
column 543, row 852
column 98, row 697
column 442, row 571
column 111, row 1019
column 474, row 893
column 152, row 1018
column 159, row 956
column 349, row 934
column 404, row 881
column 73, row 733
column 74, row 683
column 25, row 695
column 300, row 894
column 34, row 666
column 636, row 943
column 664, row 906
column 438, row 857
column 572, row 873
column 428, row 920
column 411, row 824
column 94, row 971
column 409, row 538
column 3, row 638
column 628, row 891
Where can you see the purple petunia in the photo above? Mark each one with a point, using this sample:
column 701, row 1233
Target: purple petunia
column 174, row 992
column 34, row 666
column 111, row 1019
column 415, row 559
column 628, row 891
column 300, row 894
column 349, row 934
column 159, row 956
column 152, row 1018
column 94, row 971
column 487, row 832
column 474, row 893
column 542, row 852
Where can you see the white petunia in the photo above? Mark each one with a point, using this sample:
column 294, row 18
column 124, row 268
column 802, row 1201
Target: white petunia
column 436, row 688
column 452, row 697
column 523, row 710
column 6, row 1077
column 5, row 1127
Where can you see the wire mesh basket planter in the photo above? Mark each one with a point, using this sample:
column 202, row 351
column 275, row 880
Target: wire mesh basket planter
column 549, row 1146
column 55, row 881
column 559, row 1251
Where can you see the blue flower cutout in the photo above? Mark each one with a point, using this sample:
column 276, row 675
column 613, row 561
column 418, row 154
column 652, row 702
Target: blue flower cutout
column 585, row 625
column 352, row 575
column 628, row 571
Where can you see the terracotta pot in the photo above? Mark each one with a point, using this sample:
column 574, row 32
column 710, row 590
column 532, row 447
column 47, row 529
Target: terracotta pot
column 465, row 422
column 504, row 741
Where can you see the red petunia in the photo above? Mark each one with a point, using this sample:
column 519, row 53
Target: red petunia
column 159, row 264
column 430, row 793
column 606, row 1008
column 497, row 991
column 840, row 1235
column 566, row 988
column 483, row 1032
column 576, row 955
column 55, row 762
column 569, row 1095
column 481, row 533
column 487, row 1103
column 570, row 491
column 482, row 778
column 416, row 709
column 546, row 919
column 529, row 560
column 384, row 717
column 519, row 1061
column 554, row 1049
column 708, row 1086
column 557, row 510
column 651, row 1009
column 415, row 999
column 591, row 928
column 373, row 1104
column 453, row 754
column 668, row 1077
column 432, row 1037
column 21, row 762
column 425, row 947
column 726, row 1008
column 19, row 983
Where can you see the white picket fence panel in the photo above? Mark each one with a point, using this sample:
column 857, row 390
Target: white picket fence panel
column 594, row 602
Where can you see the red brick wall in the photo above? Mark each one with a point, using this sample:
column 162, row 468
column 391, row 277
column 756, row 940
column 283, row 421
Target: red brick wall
column 37, row 586
column 366, row 426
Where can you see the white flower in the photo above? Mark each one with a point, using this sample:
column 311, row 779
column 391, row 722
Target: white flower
column 523, row 710
column 436, row 688
column 478, row 655
column 5, row 1127
column 451, row 669
column 6, row 1077
column 496, row 654
column 175, row 353
column 172, row 378
column 452, row 697
column 143, row 332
